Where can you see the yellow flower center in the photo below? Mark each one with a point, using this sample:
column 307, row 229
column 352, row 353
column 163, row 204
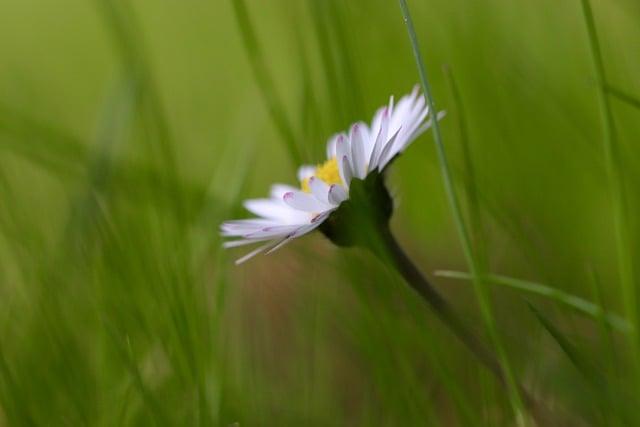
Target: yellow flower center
column 328, row 172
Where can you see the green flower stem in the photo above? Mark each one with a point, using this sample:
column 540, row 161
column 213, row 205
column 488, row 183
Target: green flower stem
column 387, row 248
column 440, row 306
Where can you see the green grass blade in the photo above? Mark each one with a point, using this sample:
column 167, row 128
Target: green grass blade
column 125, row 352
column 606, row 336
column 482, row 293
column 333, row 80
column 351, row 82
column 616, row 182
column 52, row 148
column 125, row 29
column 579, row 304
column 582, row 365
column 65, row 156
column 471, row 189
column 623, row 96
column 270, row 95
column 12, row 398
column 116, row 118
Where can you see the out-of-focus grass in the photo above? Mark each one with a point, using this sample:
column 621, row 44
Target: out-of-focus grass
column 130, row 129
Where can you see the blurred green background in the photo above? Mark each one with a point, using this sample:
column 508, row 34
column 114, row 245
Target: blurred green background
column 129, row 130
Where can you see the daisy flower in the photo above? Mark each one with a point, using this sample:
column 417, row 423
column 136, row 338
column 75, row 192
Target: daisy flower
column 354, row 165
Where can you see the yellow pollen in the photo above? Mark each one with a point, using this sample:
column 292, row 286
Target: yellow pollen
column 328, row 172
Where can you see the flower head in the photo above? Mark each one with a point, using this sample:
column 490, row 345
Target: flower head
column 351, row 173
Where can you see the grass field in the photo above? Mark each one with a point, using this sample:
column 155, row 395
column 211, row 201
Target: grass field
column 130, row 129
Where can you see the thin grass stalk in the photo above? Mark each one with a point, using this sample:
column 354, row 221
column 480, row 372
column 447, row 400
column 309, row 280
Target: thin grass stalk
column 474, row 213
column 616, row 183
column 125, row 29
column 334, row 81
column 479, row 287
column 574, row 302
column 606, row 337
column 337, row 10
column 265, row 83
column 608, row 343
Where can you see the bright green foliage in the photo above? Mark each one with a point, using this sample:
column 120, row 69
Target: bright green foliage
column 130, row 129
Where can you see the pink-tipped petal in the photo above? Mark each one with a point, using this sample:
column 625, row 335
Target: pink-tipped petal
column 343, row 149
column 304, row 202
column 388, row 151
column 380, row 139
column 272, row 232
column 358, row 161
column 305, row 171
column 331, row 145
column 337, row 194
column 345, row 170
column 319, row 189
column 301, row 231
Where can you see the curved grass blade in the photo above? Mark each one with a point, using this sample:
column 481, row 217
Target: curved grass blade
column 586, row 368
column 623, row 96
column 50, row 147
column 579, row 304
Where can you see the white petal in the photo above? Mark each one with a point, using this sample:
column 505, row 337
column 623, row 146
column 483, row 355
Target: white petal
column 319, row 189
column 317, row 221
column 278, row 190
column 331, row 145
column 268, row 208
column 412, row 120
column 426, row 125
column 304, row 202
column 342, row 149
column 358, row 160
column 253, row 253
column 377, row 120
column 388, row 151
column 272, row 232
column 241, row 242
column 402, row 110
column 239, row 224
column 380, row 139
column 345, row 170
column 305, row 171
column 337, row 194
column 241, row 227
column 419, row 131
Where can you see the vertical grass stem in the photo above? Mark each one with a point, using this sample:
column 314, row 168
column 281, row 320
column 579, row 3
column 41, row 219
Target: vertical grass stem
column 616, row 182
column 480, row 289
